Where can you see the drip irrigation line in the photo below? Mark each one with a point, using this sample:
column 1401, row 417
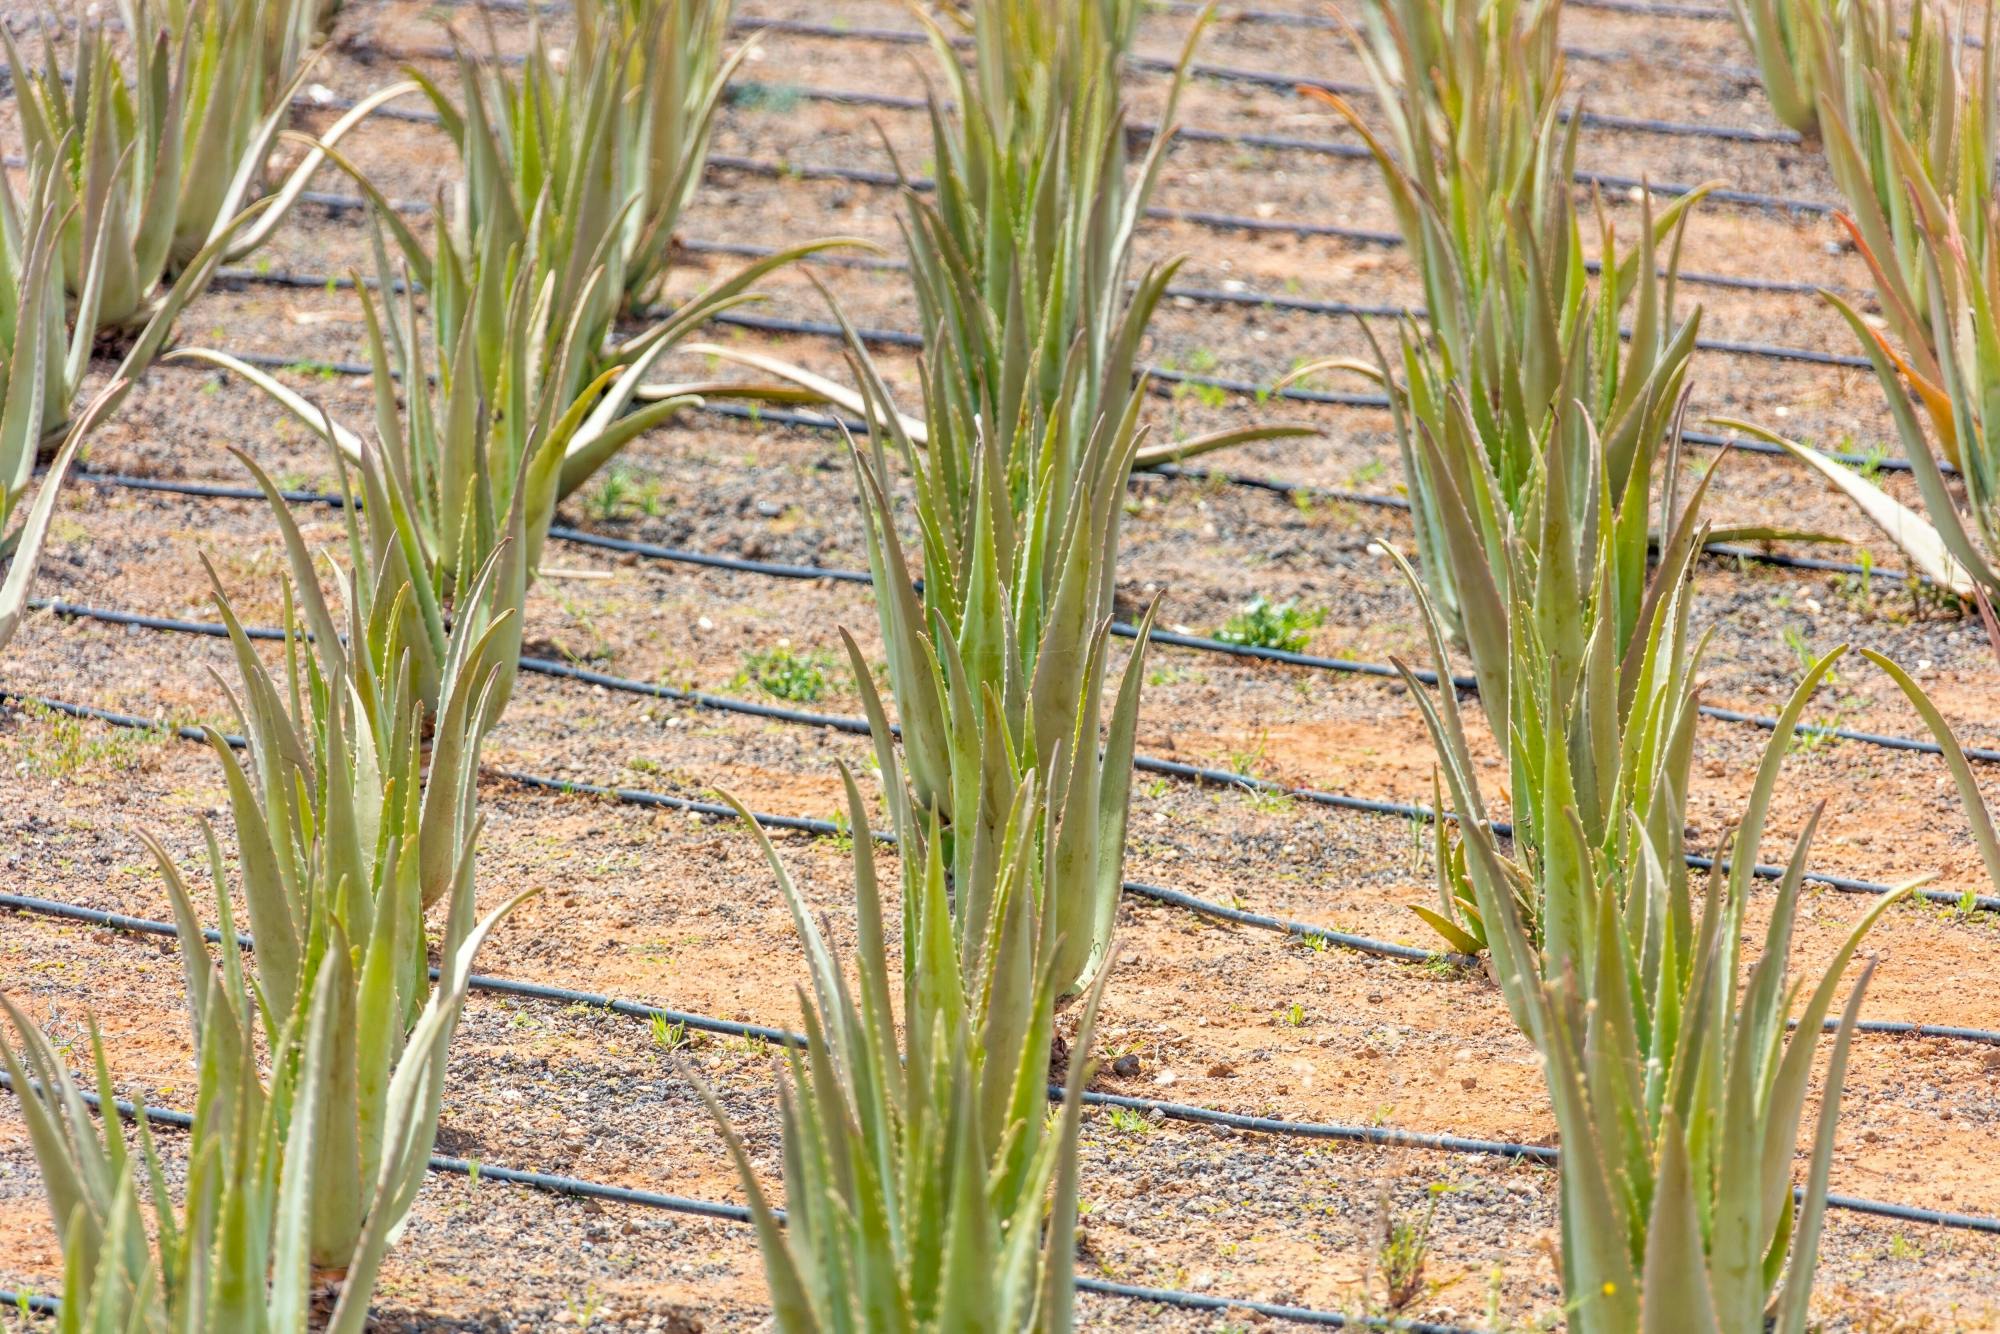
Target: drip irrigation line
column 1285, row 18
column 1376, row 1136
column 35, row 1303
column 800, row 824
column 1203, row 295
column 837, row 574
column 1205, row 218
column 1160, row 378
column 1658, row 9
column 1198, row 774
column 582, row 1188
column 1273, row 300
column 1361, row 1135
column 829, row 421
column 1221, row 912
column 754, row 92
column 339, row 203
column 1276, row 79
column 906, row 338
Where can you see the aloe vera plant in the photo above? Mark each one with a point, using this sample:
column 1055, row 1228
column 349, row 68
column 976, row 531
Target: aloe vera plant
column 574, row 178
column 1911, row 143
column 356, row 812
column 1016, row 606
column 151, row 157
column 1021, row 254
column 461, row 476
column 1678, row 1097
column 1792, row 41
column 675, row 78
column 22, row 547
column 42, row 367
column 1521, row 367
column 261, row 1157
column 1589, row 682
column 1909, row 133
column 918, row 1174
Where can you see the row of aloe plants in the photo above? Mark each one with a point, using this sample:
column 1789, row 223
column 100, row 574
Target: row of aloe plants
column 322, row 1070
column 1905, row 108
column 1010, row 824
column 927, row 1185
column 1536, row 444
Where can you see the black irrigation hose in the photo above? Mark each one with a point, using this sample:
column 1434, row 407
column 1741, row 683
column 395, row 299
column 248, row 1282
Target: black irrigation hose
column 1334, row 148
column 1658, row 9
column 1218, row 221
column 1205, row 218
column 1281, row 80
column 1198, row 774
column 1273, row 300
column 798, row 823
column 1159, row 378
column 1123, row 629
column 1203, row 295
column 910, row 339
column 579, row 1187
column 34, row 1303
column 1378, row 1136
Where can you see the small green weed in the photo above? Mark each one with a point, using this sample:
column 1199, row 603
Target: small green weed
column 1128, row 1122
column 781, row 672
column 1264, row 624
column 1404, row 1249
column 64, row 749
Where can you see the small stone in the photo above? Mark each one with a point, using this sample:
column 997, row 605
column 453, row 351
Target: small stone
column 1221, row 1070
column 1126, row 1066
column 1374, row 998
